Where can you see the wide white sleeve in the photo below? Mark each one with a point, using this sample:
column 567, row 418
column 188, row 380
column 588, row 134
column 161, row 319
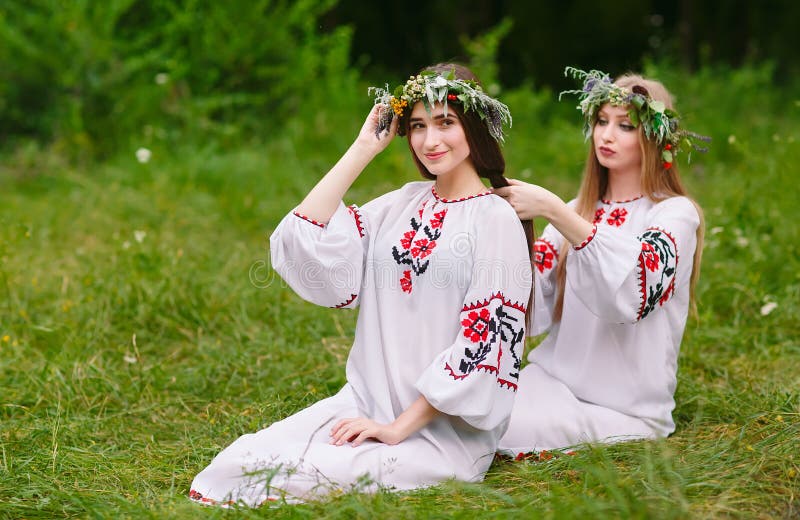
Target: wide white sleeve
column 546, row 253
column 323, row 263
column 476, row 376
column 623, row 278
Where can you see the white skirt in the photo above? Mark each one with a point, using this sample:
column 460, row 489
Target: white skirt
column 547, row 416
column 293, row 460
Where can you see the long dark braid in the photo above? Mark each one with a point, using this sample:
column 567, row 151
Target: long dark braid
column 499, row 181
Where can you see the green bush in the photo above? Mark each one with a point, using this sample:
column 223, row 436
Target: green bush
column 96, row 76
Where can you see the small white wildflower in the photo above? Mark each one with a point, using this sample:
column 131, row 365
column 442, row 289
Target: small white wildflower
column 129, row 359
column 139, row 235
column 731, row 139
column 742, row 241
column 439, row 82
column 126, row 245
column 162, row 78
column 143, row 155
column 716, row 230
column 768, row 307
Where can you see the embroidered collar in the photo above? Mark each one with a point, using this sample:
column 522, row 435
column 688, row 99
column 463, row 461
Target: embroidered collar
column 607, row 201
column 448, row 201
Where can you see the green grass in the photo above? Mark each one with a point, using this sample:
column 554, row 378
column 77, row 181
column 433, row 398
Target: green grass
column 134, row 344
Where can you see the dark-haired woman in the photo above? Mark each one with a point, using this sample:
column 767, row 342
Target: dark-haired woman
column 442, row 276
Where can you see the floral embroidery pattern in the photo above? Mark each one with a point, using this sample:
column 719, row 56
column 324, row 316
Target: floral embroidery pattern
column 416, row 245
column 544, row 253
column 476, row 325
column 353, row 210
column 495, row 332
column 405, row 281
column 617, row 217
column 598, row 215
column 658, row 262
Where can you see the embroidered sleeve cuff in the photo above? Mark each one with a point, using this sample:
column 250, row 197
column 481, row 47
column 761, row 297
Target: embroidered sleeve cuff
column 359, row 220
column 588, row 239
column 312, row 221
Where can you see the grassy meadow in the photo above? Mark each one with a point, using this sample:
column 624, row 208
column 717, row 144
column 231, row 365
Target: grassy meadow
column 141, row 329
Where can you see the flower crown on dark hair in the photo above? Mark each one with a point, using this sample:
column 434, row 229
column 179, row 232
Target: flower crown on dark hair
column 432, row 87
column 660, row 124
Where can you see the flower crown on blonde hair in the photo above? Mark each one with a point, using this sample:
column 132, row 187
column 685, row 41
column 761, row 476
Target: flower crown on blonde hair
column 432, row 87
column 659, row 123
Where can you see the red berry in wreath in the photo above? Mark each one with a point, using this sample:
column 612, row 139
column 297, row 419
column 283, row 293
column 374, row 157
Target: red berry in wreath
column 452, row 97
column 667, row 165
column 668, row 147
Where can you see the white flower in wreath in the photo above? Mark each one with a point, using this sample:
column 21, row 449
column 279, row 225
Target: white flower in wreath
column 438, row 82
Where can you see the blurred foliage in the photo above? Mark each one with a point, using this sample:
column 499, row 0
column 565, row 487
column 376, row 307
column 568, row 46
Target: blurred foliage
column 92, row 75
column 615, row 35
column 90, row 79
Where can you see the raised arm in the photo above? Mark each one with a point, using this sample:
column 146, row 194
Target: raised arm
column 322, row 201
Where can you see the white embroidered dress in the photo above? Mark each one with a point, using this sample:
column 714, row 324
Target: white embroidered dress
column 608, row 370
column 442, row 288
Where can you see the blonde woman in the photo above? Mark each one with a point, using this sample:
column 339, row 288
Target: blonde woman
column 615, row 271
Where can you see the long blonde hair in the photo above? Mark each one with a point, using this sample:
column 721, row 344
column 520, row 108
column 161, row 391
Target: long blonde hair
column 658, row 183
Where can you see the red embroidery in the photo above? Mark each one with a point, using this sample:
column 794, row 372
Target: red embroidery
column 617, row 217
column 492, row 324
column 413, row 251
column 407, row 238
column 588, row 239
column 296, row 214
column 347, row 302
column 668, row 293
column 606, row 201
column 476, row 325
column 650, row 256
column 543, row 254
column 598, row 215
column 659, row 256
column 438, row 219
column 405, row 281
column 423, row 248
column 198, row 497
column 462, row 199
column 353, row 210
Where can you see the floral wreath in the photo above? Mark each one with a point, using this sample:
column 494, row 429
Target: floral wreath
column 660, row 124
column 432, row 87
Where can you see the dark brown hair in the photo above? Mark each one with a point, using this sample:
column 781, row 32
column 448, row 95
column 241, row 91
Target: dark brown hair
column 484, row 150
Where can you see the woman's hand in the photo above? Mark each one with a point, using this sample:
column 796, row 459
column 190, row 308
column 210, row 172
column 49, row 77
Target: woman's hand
column 529, row 200
column 358, row 429
column 322, row 201
column 368, row 140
